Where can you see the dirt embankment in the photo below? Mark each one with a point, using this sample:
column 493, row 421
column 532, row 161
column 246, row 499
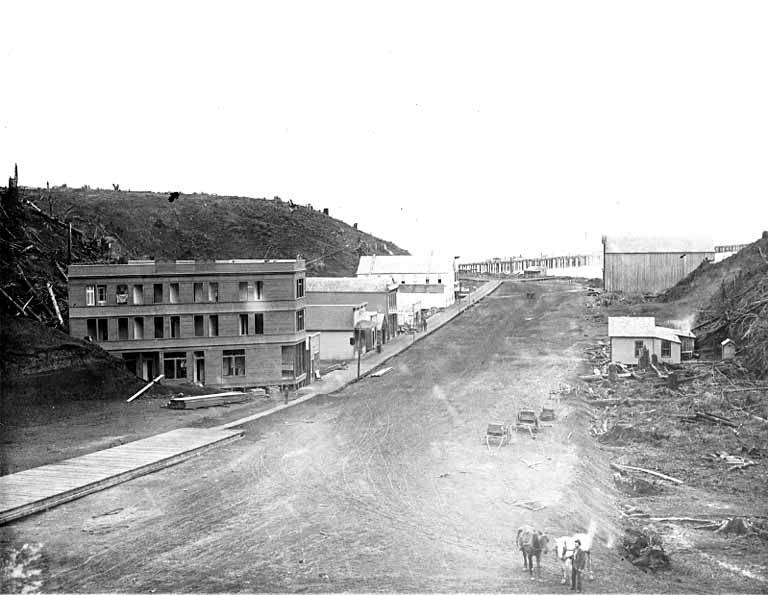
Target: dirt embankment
column 696, row 437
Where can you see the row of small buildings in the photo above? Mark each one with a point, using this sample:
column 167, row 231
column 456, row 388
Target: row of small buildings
column 240, row 323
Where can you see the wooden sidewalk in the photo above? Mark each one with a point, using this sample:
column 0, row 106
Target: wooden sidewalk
column 41, row 488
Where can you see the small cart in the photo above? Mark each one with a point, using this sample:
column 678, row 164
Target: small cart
column 527, row 420
column 496, row 431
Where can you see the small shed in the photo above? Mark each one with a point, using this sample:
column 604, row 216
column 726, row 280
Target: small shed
column 728, row 347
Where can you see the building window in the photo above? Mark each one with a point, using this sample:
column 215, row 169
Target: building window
column 288, row 352
column 243, row 328
column 300, row 288
column 175, row 365
column 197, row 290
column 97, row 329
column 250, row 292
column 300, row 320
column 121, row 294
column 158, row 327
column 666, row 348
column 101, row 295
column 175, row 327
column 138, row 295
column 213, row 292
column 122, row 329
column 90, row 295
column 293, row 360
column 173, row 294
column 199, row 330
column 233, row 362
column 426, row 280
column 638, row 348
column 439, row 280
column 138, row 328
column 158, row 293
column 213, row 325
column 259, row 324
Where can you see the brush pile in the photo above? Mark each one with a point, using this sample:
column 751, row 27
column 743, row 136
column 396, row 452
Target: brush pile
column 35, row 248
column 739, row 310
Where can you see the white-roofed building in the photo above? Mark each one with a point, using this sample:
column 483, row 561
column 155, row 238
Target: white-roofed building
column 629, row 334
column 651, row 264
column 426, row 281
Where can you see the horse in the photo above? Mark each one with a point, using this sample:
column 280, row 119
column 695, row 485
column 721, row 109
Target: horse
column 564, row 548
column 532, row 543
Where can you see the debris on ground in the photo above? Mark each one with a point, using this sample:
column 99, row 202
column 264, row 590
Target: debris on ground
column 644, row 549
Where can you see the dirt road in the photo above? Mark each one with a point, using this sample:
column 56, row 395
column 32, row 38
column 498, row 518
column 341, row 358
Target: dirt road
column 385, row 486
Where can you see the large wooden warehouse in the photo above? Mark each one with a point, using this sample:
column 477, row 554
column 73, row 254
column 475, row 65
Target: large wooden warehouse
column 651, row 264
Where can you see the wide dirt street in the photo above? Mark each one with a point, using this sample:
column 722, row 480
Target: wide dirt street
column 385, row 486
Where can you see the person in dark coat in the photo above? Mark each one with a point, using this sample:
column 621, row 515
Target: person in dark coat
column 577, row 566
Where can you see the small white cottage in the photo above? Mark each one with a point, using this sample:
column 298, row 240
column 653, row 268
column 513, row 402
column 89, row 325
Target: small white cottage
column 629, row 334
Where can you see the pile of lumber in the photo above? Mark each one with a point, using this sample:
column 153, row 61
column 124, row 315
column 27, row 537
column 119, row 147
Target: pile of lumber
column 200, row 401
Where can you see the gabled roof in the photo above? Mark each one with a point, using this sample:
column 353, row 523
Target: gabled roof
column 640, row 327
column 688, row 334
column 643, row 245
column 631, row 326
column 667, row 334
column 398, row 265
column 727, row 342
column 348, row 284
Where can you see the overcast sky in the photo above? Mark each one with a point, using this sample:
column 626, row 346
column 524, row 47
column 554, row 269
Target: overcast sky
column 477, row 129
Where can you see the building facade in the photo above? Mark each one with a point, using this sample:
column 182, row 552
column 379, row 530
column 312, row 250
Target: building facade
column 337, row 325
column 651, row 265
column 379, row 294
column 628, row 336
column 222, row 323
column 429, row 281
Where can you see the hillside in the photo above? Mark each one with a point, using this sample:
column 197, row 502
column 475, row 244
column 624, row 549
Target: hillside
column 731, row 300
column 110, row 226
column 148, row 225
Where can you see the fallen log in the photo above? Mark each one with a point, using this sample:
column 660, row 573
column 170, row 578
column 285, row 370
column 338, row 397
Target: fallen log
column 655, row 473
column 630, row 402
column 145, row 388
column 22, row 309
column 681, row 519
column 55, row 304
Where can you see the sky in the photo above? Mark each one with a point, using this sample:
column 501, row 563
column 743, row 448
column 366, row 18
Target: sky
column 476, row 129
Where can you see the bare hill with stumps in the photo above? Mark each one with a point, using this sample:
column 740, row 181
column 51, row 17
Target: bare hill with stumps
column 161, row 225
column 731, row 297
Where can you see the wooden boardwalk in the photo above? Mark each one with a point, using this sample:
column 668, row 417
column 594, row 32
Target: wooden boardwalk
column 41, row 488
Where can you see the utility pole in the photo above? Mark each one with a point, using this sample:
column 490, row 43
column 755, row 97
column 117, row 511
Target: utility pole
column 359, row 351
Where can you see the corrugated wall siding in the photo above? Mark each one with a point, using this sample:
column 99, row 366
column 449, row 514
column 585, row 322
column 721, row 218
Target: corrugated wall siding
column 648, row 273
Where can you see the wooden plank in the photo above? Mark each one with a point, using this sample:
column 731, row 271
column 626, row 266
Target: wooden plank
column 48, row 486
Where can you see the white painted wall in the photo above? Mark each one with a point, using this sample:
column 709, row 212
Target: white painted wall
column 623, row 350
column 335, row 345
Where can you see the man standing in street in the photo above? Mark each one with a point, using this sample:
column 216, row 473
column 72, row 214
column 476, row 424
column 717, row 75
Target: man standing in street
column 577, row 566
